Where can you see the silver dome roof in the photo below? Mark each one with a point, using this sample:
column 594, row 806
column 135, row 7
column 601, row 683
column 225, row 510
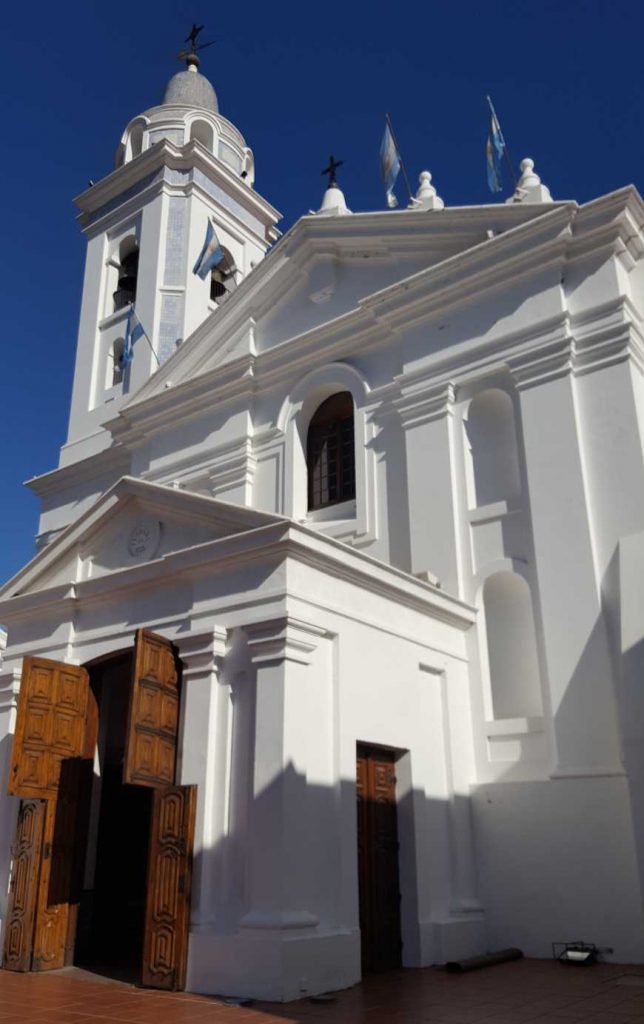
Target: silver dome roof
column 190, row 89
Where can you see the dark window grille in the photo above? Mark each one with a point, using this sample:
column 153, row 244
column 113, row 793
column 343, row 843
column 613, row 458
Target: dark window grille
column 330, row 453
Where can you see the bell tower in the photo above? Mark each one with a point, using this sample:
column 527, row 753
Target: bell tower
column 179, row 166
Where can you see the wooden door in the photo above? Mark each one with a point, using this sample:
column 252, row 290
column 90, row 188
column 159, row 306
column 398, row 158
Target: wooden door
column 153, row 720
column 50, row 743
column 23, row 887
column 151, row 760
column 50, row 725
column 378, row 859
column 167, row 916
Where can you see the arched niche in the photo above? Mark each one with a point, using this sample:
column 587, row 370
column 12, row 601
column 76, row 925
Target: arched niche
column 491, row 448
column 515, row 680
column 202, row 131
column 136, row 139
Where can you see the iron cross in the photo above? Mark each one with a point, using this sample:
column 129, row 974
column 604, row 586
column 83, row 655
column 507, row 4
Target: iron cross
column 331, row 169
column 192, row 38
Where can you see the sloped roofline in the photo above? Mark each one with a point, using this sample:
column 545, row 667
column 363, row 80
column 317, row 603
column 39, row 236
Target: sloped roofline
column 198, row 506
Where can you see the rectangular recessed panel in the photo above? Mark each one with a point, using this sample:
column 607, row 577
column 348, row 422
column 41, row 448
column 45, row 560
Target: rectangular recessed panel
column 50, row 725
column 23, row 887
column 153, row 721
column 165, row 945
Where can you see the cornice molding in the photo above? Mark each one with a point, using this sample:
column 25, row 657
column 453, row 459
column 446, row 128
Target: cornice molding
column 490, row 265
column 234, row 468
column 115, row 459
column 186, row 158
column 420, row 403
column 543, row 364
column 202, row 653
column 9, row 689
column 282, row 639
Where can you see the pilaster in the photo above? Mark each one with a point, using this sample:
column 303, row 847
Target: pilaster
column 575, row 640
column 279, row 890
column 9, row 688
column 427, row 416
column 203, row 759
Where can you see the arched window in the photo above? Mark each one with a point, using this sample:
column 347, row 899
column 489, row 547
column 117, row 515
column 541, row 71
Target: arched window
column 202, row 132
column 512, row 647
column 491, row 433
column 330, row 453
column 128, row 273
column 115, row 367
column 223, row 278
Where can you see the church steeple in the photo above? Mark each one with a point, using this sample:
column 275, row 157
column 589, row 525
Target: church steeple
column 179, row 166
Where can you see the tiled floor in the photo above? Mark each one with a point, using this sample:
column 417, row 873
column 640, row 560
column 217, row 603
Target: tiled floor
column 514, row 993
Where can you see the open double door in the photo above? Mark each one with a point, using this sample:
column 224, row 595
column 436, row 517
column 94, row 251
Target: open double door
column 52, row 771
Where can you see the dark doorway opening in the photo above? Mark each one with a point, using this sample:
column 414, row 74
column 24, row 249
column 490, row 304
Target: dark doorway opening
column 378, row 873
column 116, row 827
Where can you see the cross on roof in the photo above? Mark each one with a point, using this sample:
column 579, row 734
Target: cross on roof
column 331, row 169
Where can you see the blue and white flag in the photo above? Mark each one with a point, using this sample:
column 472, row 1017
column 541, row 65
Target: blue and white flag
column 133, row 331
column 210, row 256
column 389, row 165
column 495, row 148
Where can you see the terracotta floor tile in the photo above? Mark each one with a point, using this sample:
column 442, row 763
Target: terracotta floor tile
column 526, row 992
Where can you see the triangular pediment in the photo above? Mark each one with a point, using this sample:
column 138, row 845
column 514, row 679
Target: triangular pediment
column 324, row 272
column 132, row 523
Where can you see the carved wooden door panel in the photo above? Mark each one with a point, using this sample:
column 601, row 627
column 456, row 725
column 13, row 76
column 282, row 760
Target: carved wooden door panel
column 50, row 725
column 48, row 747
column 153, row 721
column 378, row 876
column 167, row 915
column 23, row 888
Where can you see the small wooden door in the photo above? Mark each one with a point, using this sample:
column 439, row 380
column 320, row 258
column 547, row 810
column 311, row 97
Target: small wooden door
column 378, row 859
column 167, row 913
column 153, row 723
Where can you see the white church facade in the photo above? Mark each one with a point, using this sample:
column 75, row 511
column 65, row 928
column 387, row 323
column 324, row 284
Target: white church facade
column 330, row 658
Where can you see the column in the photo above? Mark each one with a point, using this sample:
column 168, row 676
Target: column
column 279, row 896
column 203, row 761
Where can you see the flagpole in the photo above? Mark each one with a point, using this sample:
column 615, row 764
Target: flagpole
column 506, row 151
column 132, row 309
column 402, row 166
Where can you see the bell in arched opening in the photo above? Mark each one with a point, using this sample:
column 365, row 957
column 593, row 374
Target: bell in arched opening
column 128, row 273
column 223, row 278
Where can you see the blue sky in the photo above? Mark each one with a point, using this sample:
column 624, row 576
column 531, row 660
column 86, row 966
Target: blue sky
column 300, row 81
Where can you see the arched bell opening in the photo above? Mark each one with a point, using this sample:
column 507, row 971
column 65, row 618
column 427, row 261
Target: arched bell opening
column 127, row 274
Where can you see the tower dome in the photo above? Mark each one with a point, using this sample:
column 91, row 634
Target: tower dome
column 189, row 112
column 190, row 89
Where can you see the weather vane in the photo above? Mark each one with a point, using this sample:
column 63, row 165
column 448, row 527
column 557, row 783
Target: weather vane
column 190, row 56
column 331, row 169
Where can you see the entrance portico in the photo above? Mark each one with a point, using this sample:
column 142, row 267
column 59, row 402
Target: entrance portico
column 279, row 682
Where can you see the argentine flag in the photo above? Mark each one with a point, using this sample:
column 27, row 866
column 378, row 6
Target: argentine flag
column 389, row 166
column 210, row 256
column 133, row 331
column 495, row 148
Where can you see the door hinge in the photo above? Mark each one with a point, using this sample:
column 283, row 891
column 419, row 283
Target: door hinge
column 46, row 851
